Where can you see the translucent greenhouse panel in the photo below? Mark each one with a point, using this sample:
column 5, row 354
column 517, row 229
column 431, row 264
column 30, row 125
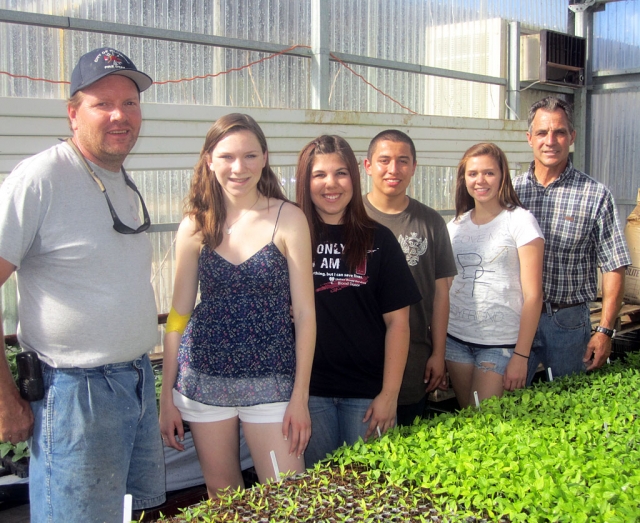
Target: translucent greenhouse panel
column 35, row 52
column 616, row 32
column 164, row 193
column 287, row 177
column 476, row 47
column 613, row 150
column 279, row 82
column 388, row 29
column 9, row 305
column 434, row 186
column 394, row 30
column 278, row 21
column 395, row 89
column 275, row 21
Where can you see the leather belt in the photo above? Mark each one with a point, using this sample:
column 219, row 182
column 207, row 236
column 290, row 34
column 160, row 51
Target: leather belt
column 557, row 306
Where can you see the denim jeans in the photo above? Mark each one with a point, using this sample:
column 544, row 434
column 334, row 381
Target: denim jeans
column 561, row 341
column 96, row 438
column 334, row 422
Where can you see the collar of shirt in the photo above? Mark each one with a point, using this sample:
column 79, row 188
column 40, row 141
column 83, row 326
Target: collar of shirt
column 565, row 177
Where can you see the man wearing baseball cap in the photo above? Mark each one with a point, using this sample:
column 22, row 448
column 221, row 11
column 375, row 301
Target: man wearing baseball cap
column 72, row 226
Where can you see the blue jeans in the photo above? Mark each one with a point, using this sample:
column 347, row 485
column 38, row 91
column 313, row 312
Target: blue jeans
column 334, row 422
column 561, row 341
column 96, row 438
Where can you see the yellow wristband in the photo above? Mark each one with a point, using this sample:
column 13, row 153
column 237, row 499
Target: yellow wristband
column 177, row 322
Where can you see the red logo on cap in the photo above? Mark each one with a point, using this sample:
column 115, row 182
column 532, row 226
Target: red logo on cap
column 111, row 58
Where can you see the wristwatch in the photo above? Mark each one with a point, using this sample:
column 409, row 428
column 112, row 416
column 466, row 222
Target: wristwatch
column 607, row 332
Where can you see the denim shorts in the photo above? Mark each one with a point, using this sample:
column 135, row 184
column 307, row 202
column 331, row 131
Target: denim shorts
column 96, row 438
column 460, row 352
column 200, row 413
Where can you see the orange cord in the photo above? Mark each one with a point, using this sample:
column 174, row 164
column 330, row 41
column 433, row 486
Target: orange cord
column 35, row 79
column 234, row 68
column 370, row 84
column 200, row 77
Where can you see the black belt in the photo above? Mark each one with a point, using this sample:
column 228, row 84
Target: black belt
column 555, row 307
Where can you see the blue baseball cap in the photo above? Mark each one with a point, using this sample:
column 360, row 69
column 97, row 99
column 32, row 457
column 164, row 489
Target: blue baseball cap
column 102, row 62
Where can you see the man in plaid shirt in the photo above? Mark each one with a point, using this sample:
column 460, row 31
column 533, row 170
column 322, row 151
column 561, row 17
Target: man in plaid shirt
column 580, row 224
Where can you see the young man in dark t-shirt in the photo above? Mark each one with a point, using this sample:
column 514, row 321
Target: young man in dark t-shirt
column 422, row 233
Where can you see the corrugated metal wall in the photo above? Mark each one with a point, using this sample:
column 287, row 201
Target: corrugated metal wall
column 614, row 152
column 616, row 32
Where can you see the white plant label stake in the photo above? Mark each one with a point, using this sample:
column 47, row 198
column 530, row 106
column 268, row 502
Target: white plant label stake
column 276, row 470
column 550, row 374
column 128, row 502
column 475, row 397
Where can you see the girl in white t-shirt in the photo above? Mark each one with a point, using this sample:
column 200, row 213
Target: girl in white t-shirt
column 496, row 298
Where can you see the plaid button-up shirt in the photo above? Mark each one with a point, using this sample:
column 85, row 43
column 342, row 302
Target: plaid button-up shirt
column 579, row 220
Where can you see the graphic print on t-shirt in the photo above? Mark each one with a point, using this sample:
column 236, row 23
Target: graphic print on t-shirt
column 329, row 256
column 472, row 269
column 413, row 247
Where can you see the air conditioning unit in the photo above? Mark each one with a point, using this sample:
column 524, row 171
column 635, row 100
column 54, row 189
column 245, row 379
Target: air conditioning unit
column 553, row 58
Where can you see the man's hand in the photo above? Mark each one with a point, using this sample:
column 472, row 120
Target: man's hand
column 435, row 374
column 16, row 417
column 599, row 348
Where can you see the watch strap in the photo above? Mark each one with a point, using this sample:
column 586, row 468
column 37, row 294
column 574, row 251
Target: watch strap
column 607, row 332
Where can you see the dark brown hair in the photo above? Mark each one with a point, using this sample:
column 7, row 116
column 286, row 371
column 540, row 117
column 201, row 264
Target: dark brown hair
column 205, row 202
column 391, row 135
column 506, row 194
column 358, row 226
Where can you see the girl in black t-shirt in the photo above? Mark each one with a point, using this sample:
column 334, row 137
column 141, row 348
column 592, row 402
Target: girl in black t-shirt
column 363, row 289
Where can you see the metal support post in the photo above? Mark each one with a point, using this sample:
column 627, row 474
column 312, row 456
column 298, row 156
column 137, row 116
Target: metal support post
column 581, row 110
column 513, row 74
column 219, row 61
column 320, row 49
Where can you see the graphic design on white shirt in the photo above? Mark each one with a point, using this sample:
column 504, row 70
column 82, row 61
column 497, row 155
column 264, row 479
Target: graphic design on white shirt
column 413, row 247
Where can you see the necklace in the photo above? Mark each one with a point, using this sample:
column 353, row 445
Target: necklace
column 229, row 228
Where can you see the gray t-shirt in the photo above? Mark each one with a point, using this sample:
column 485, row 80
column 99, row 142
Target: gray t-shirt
column 85, row 297
column 423, row 236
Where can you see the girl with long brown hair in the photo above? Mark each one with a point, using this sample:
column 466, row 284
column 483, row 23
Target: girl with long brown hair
column 235, row 355
column 496, row 297
column 363, row 289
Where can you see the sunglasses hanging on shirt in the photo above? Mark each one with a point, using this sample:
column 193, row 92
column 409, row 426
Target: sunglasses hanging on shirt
column 117, row 222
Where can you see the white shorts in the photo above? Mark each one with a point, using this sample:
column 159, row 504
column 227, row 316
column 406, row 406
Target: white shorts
column 200, row 413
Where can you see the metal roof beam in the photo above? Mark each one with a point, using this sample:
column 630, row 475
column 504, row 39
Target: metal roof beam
column 80, row 24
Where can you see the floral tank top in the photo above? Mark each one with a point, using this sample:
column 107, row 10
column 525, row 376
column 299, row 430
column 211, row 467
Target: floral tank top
column 238, row 348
